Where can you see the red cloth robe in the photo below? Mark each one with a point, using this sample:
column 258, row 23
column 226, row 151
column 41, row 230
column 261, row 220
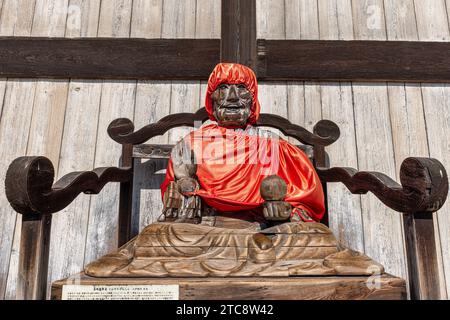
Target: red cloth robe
column 231, row 163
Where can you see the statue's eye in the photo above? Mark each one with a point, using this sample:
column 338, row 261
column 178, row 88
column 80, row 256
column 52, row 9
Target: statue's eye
column 223, row 86
column 241, row 86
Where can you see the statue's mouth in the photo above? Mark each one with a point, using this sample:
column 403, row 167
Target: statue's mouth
column 232, row 108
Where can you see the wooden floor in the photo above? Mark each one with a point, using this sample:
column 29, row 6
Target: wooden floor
column 66, row 120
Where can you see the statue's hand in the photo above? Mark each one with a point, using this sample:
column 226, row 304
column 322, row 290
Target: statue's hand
column 172, row 202
column 190, row 211
column 179, row 205
column 277, row 210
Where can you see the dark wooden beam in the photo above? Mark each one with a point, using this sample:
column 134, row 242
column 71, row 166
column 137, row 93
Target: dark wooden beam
column 193, row 59
column 34, row 255
column 106, row 58
column 423, row 266
column 238, row 32
column 354, row 60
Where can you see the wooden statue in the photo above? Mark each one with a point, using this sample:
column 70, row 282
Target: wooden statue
column 252, row 222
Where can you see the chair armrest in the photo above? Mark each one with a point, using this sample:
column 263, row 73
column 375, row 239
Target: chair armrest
column 424, row 184
column 29, row 184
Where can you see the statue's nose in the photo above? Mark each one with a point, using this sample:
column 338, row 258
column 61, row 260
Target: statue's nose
column 232, row 94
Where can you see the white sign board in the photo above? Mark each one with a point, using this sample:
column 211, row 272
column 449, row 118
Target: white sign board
column 120, row 292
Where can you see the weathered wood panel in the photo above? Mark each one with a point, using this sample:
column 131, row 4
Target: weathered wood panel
column 117, row 101
column 383, row 239
column 17, row 17
column 431, row 26
column 14, row 130
column 17, row 20
column 77, row 153
column 436, row 100
column 115, row 18
column 335, row 20
column 82, row 18
column 44, row 139
column 146, row 19
column 405, row 101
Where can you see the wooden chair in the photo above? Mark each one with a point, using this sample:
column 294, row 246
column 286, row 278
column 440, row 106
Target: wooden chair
column 31, row 191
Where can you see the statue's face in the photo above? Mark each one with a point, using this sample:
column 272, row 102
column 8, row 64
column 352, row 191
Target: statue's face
column 232, row 104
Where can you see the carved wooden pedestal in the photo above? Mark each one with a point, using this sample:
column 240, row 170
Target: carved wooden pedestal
column 233, row 259
column 384, row 287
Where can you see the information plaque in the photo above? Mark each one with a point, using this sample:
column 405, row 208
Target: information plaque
column 120, row 292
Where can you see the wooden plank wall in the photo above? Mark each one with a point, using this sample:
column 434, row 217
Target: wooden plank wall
column 66, row 120
column 381, row 124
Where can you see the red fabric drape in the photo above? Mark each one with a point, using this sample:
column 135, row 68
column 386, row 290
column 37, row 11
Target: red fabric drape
column 233, row 162
column 231, row 165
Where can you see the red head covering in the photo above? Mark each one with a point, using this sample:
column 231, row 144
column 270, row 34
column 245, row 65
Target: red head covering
column 233, row 73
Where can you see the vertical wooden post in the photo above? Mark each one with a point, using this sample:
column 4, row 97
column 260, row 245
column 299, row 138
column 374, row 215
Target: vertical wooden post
column 34, row 254
column 125, row 198
column 238, row 34
column 421, row 257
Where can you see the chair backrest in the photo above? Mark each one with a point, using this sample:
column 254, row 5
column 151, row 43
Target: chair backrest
column 148, row 159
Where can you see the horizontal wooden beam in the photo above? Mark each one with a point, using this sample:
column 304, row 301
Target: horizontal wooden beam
column 108, row 58
column 325, row 60
column 193, row 59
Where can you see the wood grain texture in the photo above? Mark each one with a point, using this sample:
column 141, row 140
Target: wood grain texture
column 345, row 208
column 15, row 20
column 431, row 26
column 208, row 19
column 118, row 100
column 109, row 58
column 335, row 19
column 324, row 60
column 45, row 138
column 204, row 250
column 33, row 262
column 406, row 105
column 49, row 18
column 238, row 32
column 82, row 18
column 353, row 60
column 146, row 19
column 336, row 99
column 152, row 103
column 375, row 151
column 300, row 288
column 270, row 19
column 17, row 17
column 179, row 19
column 436, row 99
column 115, row 18
column 432, row 20
column 16, row 117
column 77, row 152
